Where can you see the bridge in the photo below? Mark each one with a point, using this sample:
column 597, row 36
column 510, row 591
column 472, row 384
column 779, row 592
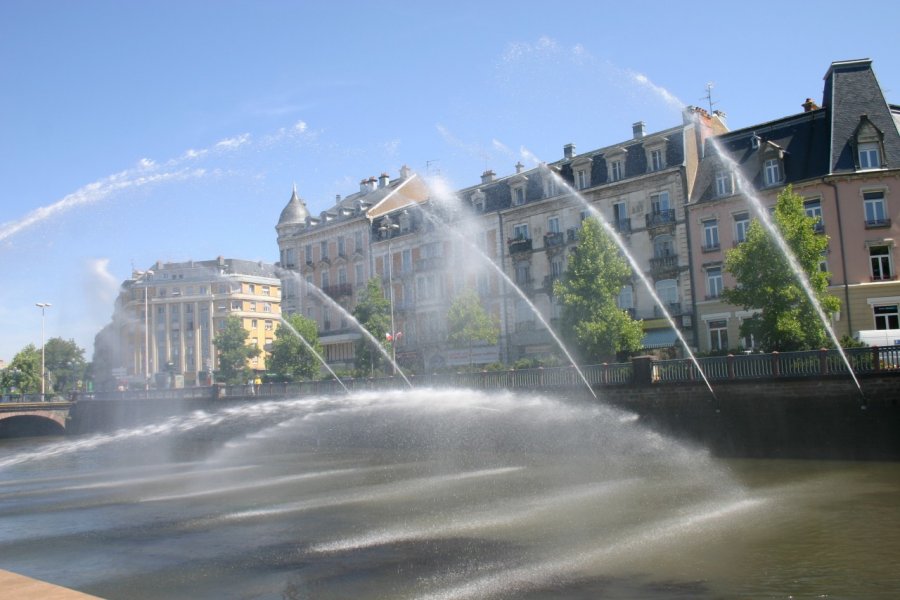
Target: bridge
column 33, row 414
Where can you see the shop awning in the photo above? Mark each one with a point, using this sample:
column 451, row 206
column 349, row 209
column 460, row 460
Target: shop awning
column 659, row 338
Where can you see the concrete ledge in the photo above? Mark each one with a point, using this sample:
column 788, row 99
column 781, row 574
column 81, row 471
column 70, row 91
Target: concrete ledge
column 19, row 587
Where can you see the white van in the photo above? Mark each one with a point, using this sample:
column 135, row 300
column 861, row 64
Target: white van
column 879, row 337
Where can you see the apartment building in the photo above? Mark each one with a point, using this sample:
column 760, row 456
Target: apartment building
column 325, row 261
column 843, row 157
column 166, row 317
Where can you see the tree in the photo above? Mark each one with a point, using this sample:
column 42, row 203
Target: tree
column 65, row 364
column 588, row 291
column 468, row 322
column 785, row 319
column 23, row 375
column 233, row 352
column 373, row 311
column 291, row 360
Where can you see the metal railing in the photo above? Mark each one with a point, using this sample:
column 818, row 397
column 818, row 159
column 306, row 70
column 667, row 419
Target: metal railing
column 809, row 365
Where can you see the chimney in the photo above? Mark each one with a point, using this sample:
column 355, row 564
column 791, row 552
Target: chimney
column 519, row 167
column 383, row 180
column 404, row 172
column 363, row 188
column 569, row 150
column 337, row 198
column 372, row 183
column 638, row 130
column 809, row 105
column 487, row 176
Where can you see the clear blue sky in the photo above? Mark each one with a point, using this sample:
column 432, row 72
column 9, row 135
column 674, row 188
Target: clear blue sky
column 132, row 132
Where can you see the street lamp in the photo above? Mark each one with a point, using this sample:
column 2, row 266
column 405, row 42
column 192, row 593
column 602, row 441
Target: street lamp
column 387, row 228
column 144, row 276
column 43, row 306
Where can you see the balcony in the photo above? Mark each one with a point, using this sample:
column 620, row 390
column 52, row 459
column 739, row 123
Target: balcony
column 877, row 223
column 338, row 290
column 661, row 265
column 674, row 309
column 553, row 239
column 623, row 225
column 519, row 245
column 661, row 218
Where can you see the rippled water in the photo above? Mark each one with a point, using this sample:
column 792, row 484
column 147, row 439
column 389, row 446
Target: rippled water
column 437, row 494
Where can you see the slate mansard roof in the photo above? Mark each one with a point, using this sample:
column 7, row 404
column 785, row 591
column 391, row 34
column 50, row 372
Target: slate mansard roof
column 815, row 143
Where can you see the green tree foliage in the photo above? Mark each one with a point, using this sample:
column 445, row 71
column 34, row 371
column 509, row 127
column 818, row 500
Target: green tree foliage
column 233, row 352
column 588, row 291
column 65, row 364
column 373, row 311
column 468, row 322
column 23, row 374
column 291, row 360
column 786, row 320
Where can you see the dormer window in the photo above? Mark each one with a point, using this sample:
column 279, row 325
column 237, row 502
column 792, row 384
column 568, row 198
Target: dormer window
column 477, row 199
column 656, row 160
column 869, row 156
column 581, row 179
column 754, row 141
column 867, row 141
column 518, row 196
column 772, row 172
column 724, row 183
column 616, row 170
column 656, row 154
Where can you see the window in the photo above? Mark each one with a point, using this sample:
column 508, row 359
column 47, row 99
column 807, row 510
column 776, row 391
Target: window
column 886, row 316
column 880, row 258
column 325, row 279
column 518, row 196
column 254, row 323
column 667, row 290
column 710, row 235
column 360, row 274
column 660, row 202
column 308, row 252
column 813, row 209
column 741, row 227
column 267, row 307
column 581, row 179
column 616, row 172
column 557, row 266
column 724, row 183
column 342, row 275
column 341, row 247
column 663, row 245
column 520, row 232
column 406, row 261
column 772, row 171
column 713, row 282
column 251, row 288
column 269, row 325
column 876, row 214
column 718, row 335
column 620, row 217
column 523, row 273
column 869, row 157
column 656, row 160
column 323, row 249
column 553, row 225
column 236, row 305
column 251, row 306
column 625, row 300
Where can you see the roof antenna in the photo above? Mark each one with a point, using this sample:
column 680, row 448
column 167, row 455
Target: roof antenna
column 708, row 97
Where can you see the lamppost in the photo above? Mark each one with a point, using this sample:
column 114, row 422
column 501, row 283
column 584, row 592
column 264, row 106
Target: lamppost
column 43, row 306
column 144, row 276
column 387, row 228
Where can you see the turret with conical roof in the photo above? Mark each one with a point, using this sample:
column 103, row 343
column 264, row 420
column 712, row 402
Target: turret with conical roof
column 295, row 212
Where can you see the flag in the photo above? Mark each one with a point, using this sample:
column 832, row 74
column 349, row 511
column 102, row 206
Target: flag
column 388, row 336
